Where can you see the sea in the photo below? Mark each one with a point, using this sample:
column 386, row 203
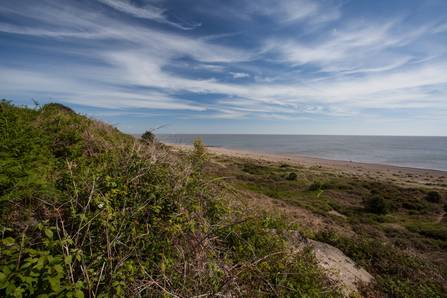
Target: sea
column 404, row 151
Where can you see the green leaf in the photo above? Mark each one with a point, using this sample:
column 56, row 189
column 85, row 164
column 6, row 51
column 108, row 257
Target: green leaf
column 68, row 259
column 55, row 282
column 6, row 270
column 58, row 268
column 8, row 241
column 10, row 289
column 35, row 274
column 18, row 292
column 4, row 285
column 49, row 233
column 119, row 290
column 79, row 294
column 42, row 296
column 42, row 260
column 2, row 276
column 26, row 265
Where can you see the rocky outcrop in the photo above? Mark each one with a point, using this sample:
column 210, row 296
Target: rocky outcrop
column 339, row 266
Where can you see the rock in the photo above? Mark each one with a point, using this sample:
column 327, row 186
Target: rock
column 339, row 266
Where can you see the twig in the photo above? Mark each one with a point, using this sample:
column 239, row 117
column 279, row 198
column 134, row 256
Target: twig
column 88, row 281
column 99, row 280
column 21, row 247
column 249, row 266
column 162, row 288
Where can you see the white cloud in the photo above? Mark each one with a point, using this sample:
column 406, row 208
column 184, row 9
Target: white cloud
column 215, row 68
column 288, row 11
column 148, row 12
column 88, row 94
column 360, row 46
column 285, row 10
column 238, row 75
column 260, row 79
column 58, row 22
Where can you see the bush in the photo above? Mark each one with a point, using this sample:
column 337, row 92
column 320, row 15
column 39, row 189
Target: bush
column 58, row 106
column 292, row 176
column 200, row 154
column 397, row 273
column 148, row 137
column 377, row 205
column 434, row 197
column 315, row 186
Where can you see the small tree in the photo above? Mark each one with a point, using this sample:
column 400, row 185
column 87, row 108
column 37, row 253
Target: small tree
column 200, row 154
column 377, row 205
column 292, row 176
column 315, row 186
column 148, row 137
column 434, row 197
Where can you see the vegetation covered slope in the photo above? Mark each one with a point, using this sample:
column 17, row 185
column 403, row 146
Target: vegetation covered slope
column 89, row 211
column 398, row 234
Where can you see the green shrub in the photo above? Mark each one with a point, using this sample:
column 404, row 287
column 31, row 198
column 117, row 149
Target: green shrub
column 315, row 186
column 434, row 197
column 58, row 106
column 254, row 169
column 397, row 273
column 200, row 153
column 335, row 185
column 148, row 137
column 432, row 231
column 377, row 205
column 292, row 176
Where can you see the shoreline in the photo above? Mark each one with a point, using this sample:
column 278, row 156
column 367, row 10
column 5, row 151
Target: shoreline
column 387, row 170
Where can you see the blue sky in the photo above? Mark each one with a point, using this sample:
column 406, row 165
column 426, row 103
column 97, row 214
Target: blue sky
column 270, row 67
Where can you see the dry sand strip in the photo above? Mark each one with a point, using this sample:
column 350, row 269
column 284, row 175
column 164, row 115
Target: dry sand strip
column 327, row 163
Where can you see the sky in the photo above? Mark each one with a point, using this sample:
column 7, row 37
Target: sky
column 324, row 67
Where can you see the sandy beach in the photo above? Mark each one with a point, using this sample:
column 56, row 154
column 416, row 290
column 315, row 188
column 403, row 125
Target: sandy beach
column 386, row 170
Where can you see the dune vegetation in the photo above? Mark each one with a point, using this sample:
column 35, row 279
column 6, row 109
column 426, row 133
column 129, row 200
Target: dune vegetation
column 397, row 232
column 87, row 211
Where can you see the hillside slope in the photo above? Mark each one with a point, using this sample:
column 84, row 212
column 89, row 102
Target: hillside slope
column 394, row 230
column 89, row 211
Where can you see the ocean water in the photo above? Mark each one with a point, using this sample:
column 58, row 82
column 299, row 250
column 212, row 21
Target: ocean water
column 405, row 151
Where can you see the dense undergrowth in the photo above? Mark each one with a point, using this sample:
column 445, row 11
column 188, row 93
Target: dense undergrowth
column 87, row 211
column 397, row 234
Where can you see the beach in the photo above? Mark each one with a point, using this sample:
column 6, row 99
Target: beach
column 423, row 175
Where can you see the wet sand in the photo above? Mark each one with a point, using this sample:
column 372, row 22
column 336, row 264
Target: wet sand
column 386, row 170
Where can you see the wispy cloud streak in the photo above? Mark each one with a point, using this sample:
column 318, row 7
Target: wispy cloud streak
column 148, row 12
column 258, row 60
